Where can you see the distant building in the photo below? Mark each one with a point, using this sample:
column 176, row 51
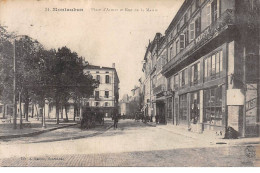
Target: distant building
column 105, row 97
column 124, row 105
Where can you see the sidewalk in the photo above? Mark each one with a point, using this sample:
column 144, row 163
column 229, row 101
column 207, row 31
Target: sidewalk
column 31, row 128
column 208, row 137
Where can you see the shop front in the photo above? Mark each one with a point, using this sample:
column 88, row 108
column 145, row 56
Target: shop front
column 160, row 111
column 196, row 106
column 183, row 110
column 214, row 108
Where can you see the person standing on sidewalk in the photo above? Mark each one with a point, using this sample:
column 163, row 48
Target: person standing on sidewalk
column 115, row 117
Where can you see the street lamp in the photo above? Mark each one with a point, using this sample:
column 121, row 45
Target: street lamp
column 14, row 87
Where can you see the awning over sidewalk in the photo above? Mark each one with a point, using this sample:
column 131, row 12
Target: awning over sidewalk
column 159, row 99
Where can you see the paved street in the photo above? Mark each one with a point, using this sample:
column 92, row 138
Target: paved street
column 132, row 144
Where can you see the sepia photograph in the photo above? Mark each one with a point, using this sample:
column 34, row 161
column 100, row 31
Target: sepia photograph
column 130, row 83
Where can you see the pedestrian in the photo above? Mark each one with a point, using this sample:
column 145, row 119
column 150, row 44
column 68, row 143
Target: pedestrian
column 115, row 117
column 156, row 119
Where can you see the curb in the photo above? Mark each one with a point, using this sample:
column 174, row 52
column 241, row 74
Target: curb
column 217, row 141
column 148, row 124
column 35, row 133
column 76, row 137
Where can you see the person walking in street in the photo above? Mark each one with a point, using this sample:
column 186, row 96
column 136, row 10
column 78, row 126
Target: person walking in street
column 115, row 120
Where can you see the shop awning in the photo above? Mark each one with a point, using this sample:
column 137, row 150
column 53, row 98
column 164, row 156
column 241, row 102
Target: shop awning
column 159, row 99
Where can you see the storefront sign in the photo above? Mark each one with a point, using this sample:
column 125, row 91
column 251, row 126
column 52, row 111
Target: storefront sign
column 251, row 104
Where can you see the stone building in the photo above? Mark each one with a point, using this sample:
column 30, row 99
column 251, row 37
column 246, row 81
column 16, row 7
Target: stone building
column 212, row 49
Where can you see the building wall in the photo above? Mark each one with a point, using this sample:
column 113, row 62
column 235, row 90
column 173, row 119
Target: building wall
column 208, row 47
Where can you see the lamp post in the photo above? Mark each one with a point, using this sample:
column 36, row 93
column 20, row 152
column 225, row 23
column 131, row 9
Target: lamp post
column 14, row 87
column 14, row 91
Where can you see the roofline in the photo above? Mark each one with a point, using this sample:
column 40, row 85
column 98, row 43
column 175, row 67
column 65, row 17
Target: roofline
column 176, row 18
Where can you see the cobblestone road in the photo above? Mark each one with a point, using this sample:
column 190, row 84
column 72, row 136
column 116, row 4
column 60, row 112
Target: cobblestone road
column 132, row 144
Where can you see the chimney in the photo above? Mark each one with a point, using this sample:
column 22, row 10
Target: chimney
column 113, row 65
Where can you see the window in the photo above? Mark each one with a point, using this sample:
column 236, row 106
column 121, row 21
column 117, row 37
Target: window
column 194, row 107
column 107, row 71
column 214, row 11
column 192, row 31
column 193, row 7
column 217, row 63
column 176, row 81
column 106, row 104
column 177, row 47
column 195, row 73
column 213, row 106
column 97, row 71
column 183, row 109
column 98, row 78
column 106, row 94
column 184, row 77
column 206, row 68
column 87, row 103
column 182, row 41
column 96, row 94
column 187, row 37
column 197, row 3
column 185, row 18
column 171, row 53
column 96, row 103
column 178, row 27
column 197, row 27
column 107, row 79
column 213, row 65
column 180, row 79
column 208, row 14
column 220, row 61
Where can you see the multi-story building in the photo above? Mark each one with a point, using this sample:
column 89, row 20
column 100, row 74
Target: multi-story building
column 210, row 59
column 212, row 68
column 146, row 83
column 158, row 81
column 124, row 105
column 105, row 97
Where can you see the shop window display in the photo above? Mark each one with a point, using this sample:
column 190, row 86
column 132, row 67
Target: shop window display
column 195, row 112
column 183, row 108
column 213, row 114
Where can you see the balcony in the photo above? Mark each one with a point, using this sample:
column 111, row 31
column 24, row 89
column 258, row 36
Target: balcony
column 215, row 29
column 159, row 89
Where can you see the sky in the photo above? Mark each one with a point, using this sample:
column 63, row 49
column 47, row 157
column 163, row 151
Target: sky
column 105, row 32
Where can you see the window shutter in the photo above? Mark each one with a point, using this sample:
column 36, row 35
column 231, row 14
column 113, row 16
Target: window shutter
column 208, row 14
column 206, row 67
column 182, row 41
column 198, row 71
column 220, row 61
column 192, row 31
column 192, row 74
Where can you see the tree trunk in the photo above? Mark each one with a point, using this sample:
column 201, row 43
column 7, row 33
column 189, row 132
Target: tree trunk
column 61, row 113
column 32, row 110
column 49, row 110
column 4, row 111
column 57, row 112
column 26, row 104
column 37, row 113
column 75, row 112
column 66, row 112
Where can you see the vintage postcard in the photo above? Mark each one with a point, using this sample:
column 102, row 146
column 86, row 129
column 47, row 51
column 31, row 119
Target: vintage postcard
column 130, row 83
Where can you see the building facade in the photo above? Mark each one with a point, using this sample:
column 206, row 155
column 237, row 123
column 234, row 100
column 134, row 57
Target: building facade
column 212, row 49
column 105, row 97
